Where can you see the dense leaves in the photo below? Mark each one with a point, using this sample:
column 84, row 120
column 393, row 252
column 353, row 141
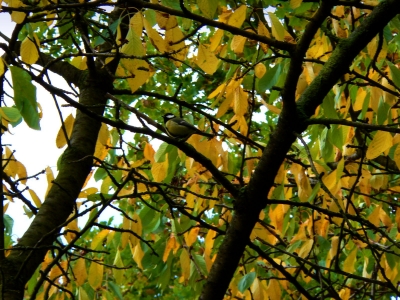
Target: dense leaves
column 296, row 195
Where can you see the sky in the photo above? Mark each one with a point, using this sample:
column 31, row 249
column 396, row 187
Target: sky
column 35, row 149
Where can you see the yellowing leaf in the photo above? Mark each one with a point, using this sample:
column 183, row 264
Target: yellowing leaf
column 397, row 156
column 237, row 44
column 95, row 277
column 99, row 238
column 262, row 30
column 240, row 103
column 191, row 236
column 238, row 17
column 136, row 23
column 207, row 7
column 380, row 143
column 138, row 255
column 216, row 39
column 223, row 108
column 218, row 90
column 79, row 271
column 278, row 31
column 171, row 244
column 155, row 38
column 172, row 37
column 61, row 140
column 138, row 69
column 260, row 70
column 206, row 60
column 350, row 260
column 295, row 3
column 29, row 52
column 185, row 264
column 35, row 198
column 118, row 273
column 159, row 170
column 274, row 290
column 149, row 152
column 306, row 248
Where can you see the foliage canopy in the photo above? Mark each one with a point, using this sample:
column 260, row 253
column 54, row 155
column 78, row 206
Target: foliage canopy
column 295, row 196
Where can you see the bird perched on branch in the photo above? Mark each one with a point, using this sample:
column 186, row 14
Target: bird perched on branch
column 180, row 129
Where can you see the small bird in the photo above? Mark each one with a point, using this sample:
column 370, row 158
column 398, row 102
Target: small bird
column 180, row 129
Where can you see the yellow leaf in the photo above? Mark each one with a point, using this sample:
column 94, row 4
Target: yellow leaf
column 21, row 172
column 185, row 264
column 240, row 103
column 306, row 248
column 35, row 198
column 223, row 108
column 61, row 141
column 79, row 62
column 237, row 44
column 136, row 23
column 29, row 52
column 99, row 238
column 139, row 70
column 172, row 37
column 171, row 244
column 218, row 90
column 374, row 216
column 256, row 290
column 1, row 67
column 274, row 291
column 95, row 277
column 17, row 16
column 216, row 39
column 206, row 60
column 380, row 143
column 397, row 156
column 348, row 265
column 159, row 170
column 238, row 17
column 278, row 31
column 333, row 251
column 149, row 152
column 50, row 178
column 361, row 95
column 155, row 38
column 260, row 70
column 191, row 236
column 79, row 272
column 208, row 245
column 136, row 227
column 138, row 255
column 262, row 30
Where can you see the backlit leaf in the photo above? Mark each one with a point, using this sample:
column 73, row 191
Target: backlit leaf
column 95, row 276
column 380, row 143
column 238, row 17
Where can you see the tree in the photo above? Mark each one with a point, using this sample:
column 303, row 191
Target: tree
column 296, row 195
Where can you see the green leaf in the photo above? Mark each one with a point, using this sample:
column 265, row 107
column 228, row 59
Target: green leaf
column 395, row 73
column 246, row 281
column 8, row 223
column 11, row 114
column 160, row 154
column 25, row 97
column 200, row 262
column 269, row 79
column 208, row 7
column 116, row 289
